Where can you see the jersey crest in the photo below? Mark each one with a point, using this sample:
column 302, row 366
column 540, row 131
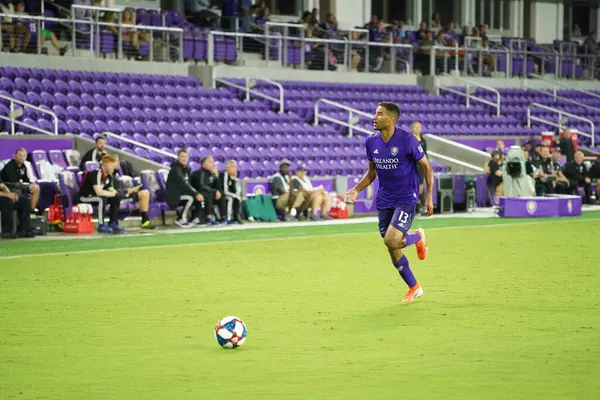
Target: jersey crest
column 394, row 151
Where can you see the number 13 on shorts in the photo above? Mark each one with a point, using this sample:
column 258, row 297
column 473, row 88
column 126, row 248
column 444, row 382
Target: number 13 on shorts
column 403, row 217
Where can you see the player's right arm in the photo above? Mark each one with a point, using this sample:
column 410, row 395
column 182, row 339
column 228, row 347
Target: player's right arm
column 366, row 180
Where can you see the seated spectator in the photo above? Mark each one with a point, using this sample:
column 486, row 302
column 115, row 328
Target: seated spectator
column 98, row 187
column 475, row 32
column 422, row 33
column 94, row 154
column 465, row 31
column 133, row 194
column 436, row 20
column 450, row 29
column 245, row 14
column 576, row 31
column 494, row 182
column 543, row 173
column 10, row 202
column 317, row 199
column 562, row 183
column 397, row 32
column 316, row 54
column 261, row 19
column 46, row 34
column 15, row 176
column 198, row 12
column 579, row 176
column 130, row 34
column 536, row 155
column 286, row 199
column 358, row 52
column 206, row 182
column 232, row 190
column 486, row 56
column 181, row 193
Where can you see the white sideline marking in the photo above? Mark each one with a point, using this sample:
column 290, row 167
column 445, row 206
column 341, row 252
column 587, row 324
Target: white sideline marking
column 273, row 239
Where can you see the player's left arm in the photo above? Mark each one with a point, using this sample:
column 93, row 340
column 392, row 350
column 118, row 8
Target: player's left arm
column 428, row 173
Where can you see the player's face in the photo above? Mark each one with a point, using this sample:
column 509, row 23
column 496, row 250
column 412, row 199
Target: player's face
column 100, row 144
column 183, row 158
column 20, row 157
column 382, row 119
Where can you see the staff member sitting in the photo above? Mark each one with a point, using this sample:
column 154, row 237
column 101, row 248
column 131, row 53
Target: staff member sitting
column 133, row 194
column 578, row 175
column 206, row 181
column 180, row 192
column 232, row 191
column 99, row 187
column 15, row 176
column 10, row 202
column 94, row 154
column 286, row 200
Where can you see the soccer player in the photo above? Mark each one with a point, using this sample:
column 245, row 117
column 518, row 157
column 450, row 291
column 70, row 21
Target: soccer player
column 393, row 157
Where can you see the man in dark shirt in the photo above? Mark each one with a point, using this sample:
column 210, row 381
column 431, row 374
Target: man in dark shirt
column 578, row 175
column 180, row 192
column 536, row 156
column 494, row 171
column 94, row 154
column 206, row 182
column 562, row 183
column 230, row 184
column 543, row 173
column 415, row 128
column 286, row 199
column 134, row 194
column 566, row 145
column 15, row 176
column 10, row 202
column 98, row 187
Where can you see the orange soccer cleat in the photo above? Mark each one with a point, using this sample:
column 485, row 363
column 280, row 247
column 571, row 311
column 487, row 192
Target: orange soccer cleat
column 413, row 293
column 421, row 245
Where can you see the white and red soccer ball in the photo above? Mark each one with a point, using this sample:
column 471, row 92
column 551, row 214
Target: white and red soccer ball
column 230, row 332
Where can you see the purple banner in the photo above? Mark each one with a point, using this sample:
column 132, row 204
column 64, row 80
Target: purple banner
column 540, row 207
column 365, row 202
column 9, row 145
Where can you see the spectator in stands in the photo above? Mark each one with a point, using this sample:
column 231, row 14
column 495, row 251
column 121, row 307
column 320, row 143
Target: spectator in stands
column 46, row 34
column 262, row 18
column 475, row 32
column 436, row 21
column 591, row 44
column 10, row 202
column 98, row 187
column 578, row 175
column 566, row 145
column 372, row 26
column 527, row 151
column 232, row 190
column 16, row 177
column 94, row 154
column 423, row 32
column 486, row 57
column 6, row 7
column 180, row 192
column 206, row 182
column 465, row 31
column 130, row 34
column 416, row 128
column 358, row 52
column 450, row 29
column 543, row 173
column 562, row 183
column 536, row 155
column 377, row 34
column 494, row 171
column 135, row 194
column 286, row 199
column 483, row 31
column 397, row 31
column 18, row 36
column 576, row 31
column 199, row 13
column 317, row 54
column 245, row 14
column 317, row 199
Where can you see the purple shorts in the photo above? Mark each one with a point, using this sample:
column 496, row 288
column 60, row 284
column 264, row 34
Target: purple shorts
column 400, row 218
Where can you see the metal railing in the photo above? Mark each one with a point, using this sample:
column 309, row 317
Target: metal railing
column 557, row 84
column 560, row 124
column 353, row 116
column 140, row 144
column 469, row 93
column 34, row 26
column 250, row 82
column 14, row 114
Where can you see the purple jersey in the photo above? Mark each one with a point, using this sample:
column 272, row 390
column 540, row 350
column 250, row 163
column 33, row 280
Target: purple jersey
column 396, row 165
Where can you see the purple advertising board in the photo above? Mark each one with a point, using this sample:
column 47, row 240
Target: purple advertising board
column 9, row 145
column 540, row 207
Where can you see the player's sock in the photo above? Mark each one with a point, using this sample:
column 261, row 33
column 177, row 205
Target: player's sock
column 411, row 238
column 405, row 272
column 144, row 217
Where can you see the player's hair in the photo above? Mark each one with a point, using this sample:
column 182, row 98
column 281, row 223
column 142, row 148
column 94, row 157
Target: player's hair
column 100, row 138
column 181, row 151
column 391, row 107
column 20, row 149
column 109, row 159
column 230, row 163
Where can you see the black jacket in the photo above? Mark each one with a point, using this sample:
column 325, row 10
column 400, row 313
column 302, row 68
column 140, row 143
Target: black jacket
column 566, row 147
column 13, row 174
column 205, row 182
column 230, row 186
column 91, row 155
column 576, row 172
column 178, row 183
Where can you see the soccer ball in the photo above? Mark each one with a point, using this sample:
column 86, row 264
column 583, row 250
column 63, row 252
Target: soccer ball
column 230, row 332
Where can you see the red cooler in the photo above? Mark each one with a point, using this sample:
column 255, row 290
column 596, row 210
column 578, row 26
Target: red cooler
column 548, row 139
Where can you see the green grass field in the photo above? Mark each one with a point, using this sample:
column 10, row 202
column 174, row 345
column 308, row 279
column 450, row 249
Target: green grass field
column 510, row 311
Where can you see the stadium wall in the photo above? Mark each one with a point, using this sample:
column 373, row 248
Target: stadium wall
column 546, row 20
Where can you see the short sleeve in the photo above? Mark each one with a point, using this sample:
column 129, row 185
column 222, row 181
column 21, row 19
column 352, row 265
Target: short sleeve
column 416, row 149
column 368, row 151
